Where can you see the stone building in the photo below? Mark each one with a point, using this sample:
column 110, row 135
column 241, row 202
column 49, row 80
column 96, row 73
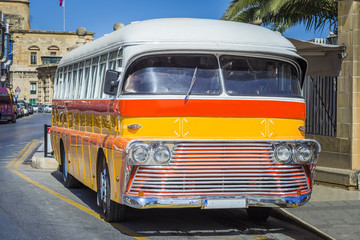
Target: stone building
column 35, row 50
column 341, row 154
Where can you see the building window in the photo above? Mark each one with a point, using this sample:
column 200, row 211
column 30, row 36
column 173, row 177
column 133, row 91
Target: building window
column 52, row 53
column 33, row 58
column 32, row 88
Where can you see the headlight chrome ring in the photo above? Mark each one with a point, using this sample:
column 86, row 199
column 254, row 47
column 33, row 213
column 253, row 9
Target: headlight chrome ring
column 303, row 154
column 140, row 154
column 283, row 153
column 162, row 154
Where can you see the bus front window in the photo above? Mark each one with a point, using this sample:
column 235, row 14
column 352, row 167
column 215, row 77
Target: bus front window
column 172, row 74
column 248, row 76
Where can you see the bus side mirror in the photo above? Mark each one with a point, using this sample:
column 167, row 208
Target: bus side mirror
column 111, row 82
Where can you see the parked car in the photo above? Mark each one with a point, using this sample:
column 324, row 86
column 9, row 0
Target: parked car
column 48, row 109
column 19, row 111
column 25, row 107
column 36, row 108
column 31, row 109
column 40, row 108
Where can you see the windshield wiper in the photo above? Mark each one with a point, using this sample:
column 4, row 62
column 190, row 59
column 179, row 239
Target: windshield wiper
column 192, row 84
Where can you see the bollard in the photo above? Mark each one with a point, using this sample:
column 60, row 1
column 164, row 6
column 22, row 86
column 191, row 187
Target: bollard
column 47, row 144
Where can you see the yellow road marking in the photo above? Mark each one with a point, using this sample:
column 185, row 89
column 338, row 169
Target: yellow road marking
column 20, row 153
column 23, row 153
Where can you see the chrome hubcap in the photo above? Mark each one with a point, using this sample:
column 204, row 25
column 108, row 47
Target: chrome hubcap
column 103, row 186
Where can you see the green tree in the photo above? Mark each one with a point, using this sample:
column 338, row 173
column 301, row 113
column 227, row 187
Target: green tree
column 280, row 15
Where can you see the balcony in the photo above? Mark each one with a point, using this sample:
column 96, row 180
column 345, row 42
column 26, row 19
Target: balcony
column 50, row 59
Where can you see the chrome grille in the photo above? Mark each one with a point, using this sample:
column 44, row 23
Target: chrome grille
column 221, row 169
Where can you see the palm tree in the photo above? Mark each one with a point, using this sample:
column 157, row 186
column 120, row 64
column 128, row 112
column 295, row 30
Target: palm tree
column 283, row 14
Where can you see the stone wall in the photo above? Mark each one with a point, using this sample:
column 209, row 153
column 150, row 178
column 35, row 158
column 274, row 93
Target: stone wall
column 349, row 81
column 340, row 157
column 43, row 43
column 16, row 13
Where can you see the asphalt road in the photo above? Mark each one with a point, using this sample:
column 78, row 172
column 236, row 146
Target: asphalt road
column 34, row 204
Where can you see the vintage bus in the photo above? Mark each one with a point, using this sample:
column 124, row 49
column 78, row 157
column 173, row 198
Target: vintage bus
column 178, row 113
column 7, row 106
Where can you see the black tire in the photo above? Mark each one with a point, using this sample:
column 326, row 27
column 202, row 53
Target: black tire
column 260, row 214
column 69, row 180
column 14, row 119
column 113, row 211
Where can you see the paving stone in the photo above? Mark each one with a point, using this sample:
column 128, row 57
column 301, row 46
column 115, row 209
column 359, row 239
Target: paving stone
column 339, row 219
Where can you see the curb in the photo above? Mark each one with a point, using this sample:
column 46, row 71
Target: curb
column 44, row 163
column 284, row 215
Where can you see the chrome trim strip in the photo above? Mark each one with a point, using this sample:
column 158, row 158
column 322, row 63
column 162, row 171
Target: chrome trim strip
column 221, row 164
column 221, row 142
column 225, row 192
column 221, row 148
column 200, row 160
column 223, row 171
column 225, row 151
column 291, row 179
column 219, row 155
column 206, row 175
column 219, row 185
column 185, row 202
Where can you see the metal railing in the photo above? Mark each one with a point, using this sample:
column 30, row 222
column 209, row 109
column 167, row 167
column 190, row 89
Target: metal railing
column 320, row 95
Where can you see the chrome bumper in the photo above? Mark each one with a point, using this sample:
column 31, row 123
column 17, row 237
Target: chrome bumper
column 258, row 201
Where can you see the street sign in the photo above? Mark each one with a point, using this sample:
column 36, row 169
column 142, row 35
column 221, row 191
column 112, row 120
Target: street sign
column 17, row 91
column 16, row 96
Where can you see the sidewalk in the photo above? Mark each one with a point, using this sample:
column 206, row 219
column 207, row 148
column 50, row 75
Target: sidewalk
column 331, row 211
column 39, row 161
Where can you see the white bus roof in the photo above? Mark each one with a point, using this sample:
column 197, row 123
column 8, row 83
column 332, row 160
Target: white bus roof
column 181, row 31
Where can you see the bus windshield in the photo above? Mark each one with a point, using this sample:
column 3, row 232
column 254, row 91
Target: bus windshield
column 5, row 99
column 243, row 76
column 173, row 74
column 259, row 77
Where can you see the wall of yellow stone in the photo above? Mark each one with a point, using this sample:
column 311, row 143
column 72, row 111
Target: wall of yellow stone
column 348, row 123
column 16, row 13
column 23, row 73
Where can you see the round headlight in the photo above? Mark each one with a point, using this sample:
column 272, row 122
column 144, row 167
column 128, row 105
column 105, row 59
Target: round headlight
column 162, row 154
column 283, row 153
column 303, row 154
column 140, row 154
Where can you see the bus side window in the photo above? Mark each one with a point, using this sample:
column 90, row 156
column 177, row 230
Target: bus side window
column 74, row 82
column 86, row 81
column 94, row 68
column 60, row 84
column 112, row 61
column 64, row 87
column 81, row 84
column 102, row 69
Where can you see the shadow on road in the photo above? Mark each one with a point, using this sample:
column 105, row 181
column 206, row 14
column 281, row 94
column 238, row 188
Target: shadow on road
column 192, row 222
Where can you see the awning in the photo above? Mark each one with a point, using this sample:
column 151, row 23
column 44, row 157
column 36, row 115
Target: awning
column 323, row 59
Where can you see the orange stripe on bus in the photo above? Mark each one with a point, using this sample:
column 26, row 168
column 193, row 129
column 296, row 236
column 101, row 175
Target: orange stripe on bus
column 211, row 108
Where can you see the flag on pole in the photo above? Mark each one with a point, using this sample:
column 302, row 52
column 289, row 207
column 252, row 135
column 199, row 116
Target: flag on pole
column 62, row 3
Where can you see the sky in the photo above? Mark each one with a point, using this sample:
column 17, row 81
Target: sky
column 99, row 16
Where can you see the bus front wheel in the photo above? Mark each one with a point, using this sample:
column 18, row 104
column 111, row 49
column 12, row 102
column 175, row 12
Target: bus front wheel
column 113, row 211
column 69, row 180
